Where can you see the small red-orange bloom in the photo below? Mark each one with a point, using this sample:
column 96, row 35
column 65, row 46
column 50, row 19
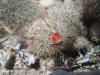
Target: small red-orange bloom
column 55, row 38
column 12, row 50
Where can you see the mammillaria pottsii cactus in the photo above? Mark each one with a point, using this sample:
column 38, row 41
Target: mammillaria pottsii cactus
column 55, row 31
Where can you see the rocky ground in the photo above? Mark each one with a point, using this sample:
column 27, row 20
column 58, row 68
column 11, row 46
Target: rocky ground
column 17, row 59
column 16, row 56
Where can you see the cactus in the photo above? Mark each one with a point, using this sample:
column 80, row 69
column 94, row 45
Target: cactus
column 55, row 31
column 17, row 13
column 47, row 29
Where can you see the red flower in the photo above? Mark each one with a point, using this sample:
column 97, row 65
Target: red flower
column 12, row 50
column 55, row 38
